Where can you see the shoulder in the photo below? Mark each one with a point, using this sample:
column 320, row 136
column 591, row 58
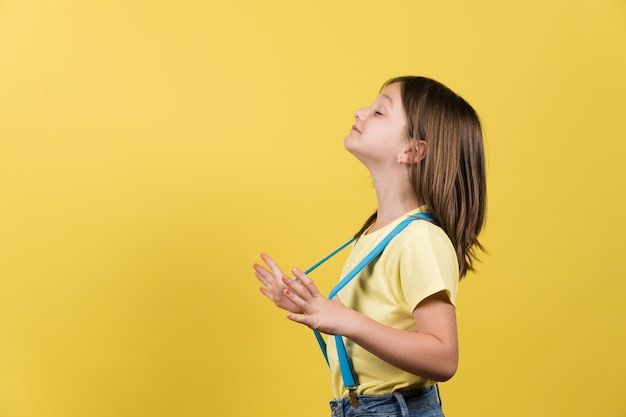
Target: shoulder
column 422, row 236
column 427, row 261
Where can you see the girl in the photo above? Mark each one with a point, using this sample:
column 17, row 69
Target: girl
column 396, row 320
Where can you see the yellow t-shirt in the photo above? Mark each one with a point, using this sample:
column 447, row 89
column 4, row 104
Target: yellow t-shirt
column 420, row 261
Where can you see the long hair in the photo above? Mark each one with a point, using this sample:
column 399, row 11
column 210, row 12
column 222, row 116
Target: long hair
column 450, row 180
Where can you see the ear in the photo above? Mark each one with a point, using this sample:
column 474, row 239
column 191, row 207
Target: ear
column 414, row 154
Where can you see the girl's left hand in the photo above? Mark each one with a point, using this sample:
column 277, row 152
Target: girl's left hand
column 317, row 312
column 273, row 287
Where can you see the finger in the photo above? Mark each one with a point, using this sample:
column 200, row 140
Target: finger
column 273, row 266
column 264, row 277
column 297, row 300
column 267, row 293
column 264, row 282
column 306, row 282
column 297, row 288
column 260, row 269
column 298, row 318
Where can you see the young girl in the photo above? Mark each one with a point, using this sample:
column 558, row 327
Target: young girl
column 422, row 145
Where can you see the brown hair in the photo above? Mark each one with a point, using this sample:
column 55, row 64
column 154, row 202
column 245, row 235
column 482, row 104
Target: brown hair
column 450, row 180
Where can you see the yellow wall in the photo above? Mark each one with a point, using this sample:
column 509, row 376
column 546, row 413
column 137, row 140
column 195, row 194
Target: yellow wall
column 149, row 150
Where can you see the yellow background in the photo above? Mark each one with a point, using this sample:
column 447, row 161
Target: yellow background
column 150, row 150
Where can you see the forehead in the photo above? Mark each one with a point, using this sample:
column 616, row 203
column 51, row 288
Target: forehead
column 391, row 93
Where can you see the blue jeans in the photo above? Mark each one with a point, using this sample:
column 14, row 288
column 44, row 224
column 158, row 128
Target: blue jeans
column 423, row 402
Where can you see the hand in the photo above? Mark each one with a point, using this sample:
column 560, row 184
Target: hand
column 317, row 312
column 274, row 287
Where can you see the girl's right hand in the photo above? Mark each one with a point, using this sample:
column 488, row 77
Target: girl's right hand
column 273, row 286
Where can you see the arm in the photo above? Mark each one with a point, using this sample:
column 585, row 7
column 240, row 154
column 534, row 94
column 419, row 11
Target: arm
column 431, row 352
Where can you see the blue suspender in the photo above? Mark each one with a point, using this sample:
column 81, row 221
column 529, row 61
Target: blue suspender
column 347, row 373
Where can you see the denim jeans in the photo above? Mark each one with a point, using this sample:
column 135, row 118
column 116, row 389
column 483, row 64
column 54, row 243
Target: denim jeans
column 424, row 402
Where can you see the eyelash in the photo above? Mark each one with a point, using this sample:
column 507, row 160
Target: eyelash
column 378, row 113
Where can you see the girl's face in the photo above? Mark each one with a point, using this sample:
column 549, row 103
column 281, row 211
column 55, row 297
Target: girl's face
column 378, row 137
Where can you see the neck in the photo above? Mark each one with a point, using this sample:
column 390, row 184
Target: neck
column 395, row 197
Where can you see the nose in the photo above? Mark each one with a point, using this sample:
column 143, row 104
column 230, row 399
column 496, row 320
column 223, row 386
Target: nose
column 358, row 115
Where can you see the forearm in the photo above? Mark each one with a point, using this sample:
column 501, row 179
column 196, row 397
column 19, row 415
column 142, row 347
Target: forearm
column 418, row 353
column 431, row 352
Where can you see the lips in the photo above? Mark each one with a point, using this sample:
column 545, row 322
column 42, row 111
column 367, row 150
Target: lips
column 356, row 129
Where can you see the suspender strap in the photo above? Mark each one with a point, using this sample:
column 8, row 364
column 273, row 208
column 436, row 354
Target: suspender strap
column 347, row 372
column 330, row 255
column 345, row 365
column 318, row 336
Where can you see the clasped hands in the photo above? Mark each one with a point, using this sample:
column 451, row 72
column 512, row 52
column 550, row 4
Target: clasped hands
column 301, row 298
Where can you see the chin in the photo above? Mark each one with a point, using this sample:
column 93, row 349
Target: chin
column 346, row 143
column 350, row 140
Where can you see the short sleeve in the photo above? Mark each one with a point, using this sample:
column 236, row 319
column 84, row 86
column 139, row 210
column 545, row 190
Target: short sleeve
column 428, row 264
